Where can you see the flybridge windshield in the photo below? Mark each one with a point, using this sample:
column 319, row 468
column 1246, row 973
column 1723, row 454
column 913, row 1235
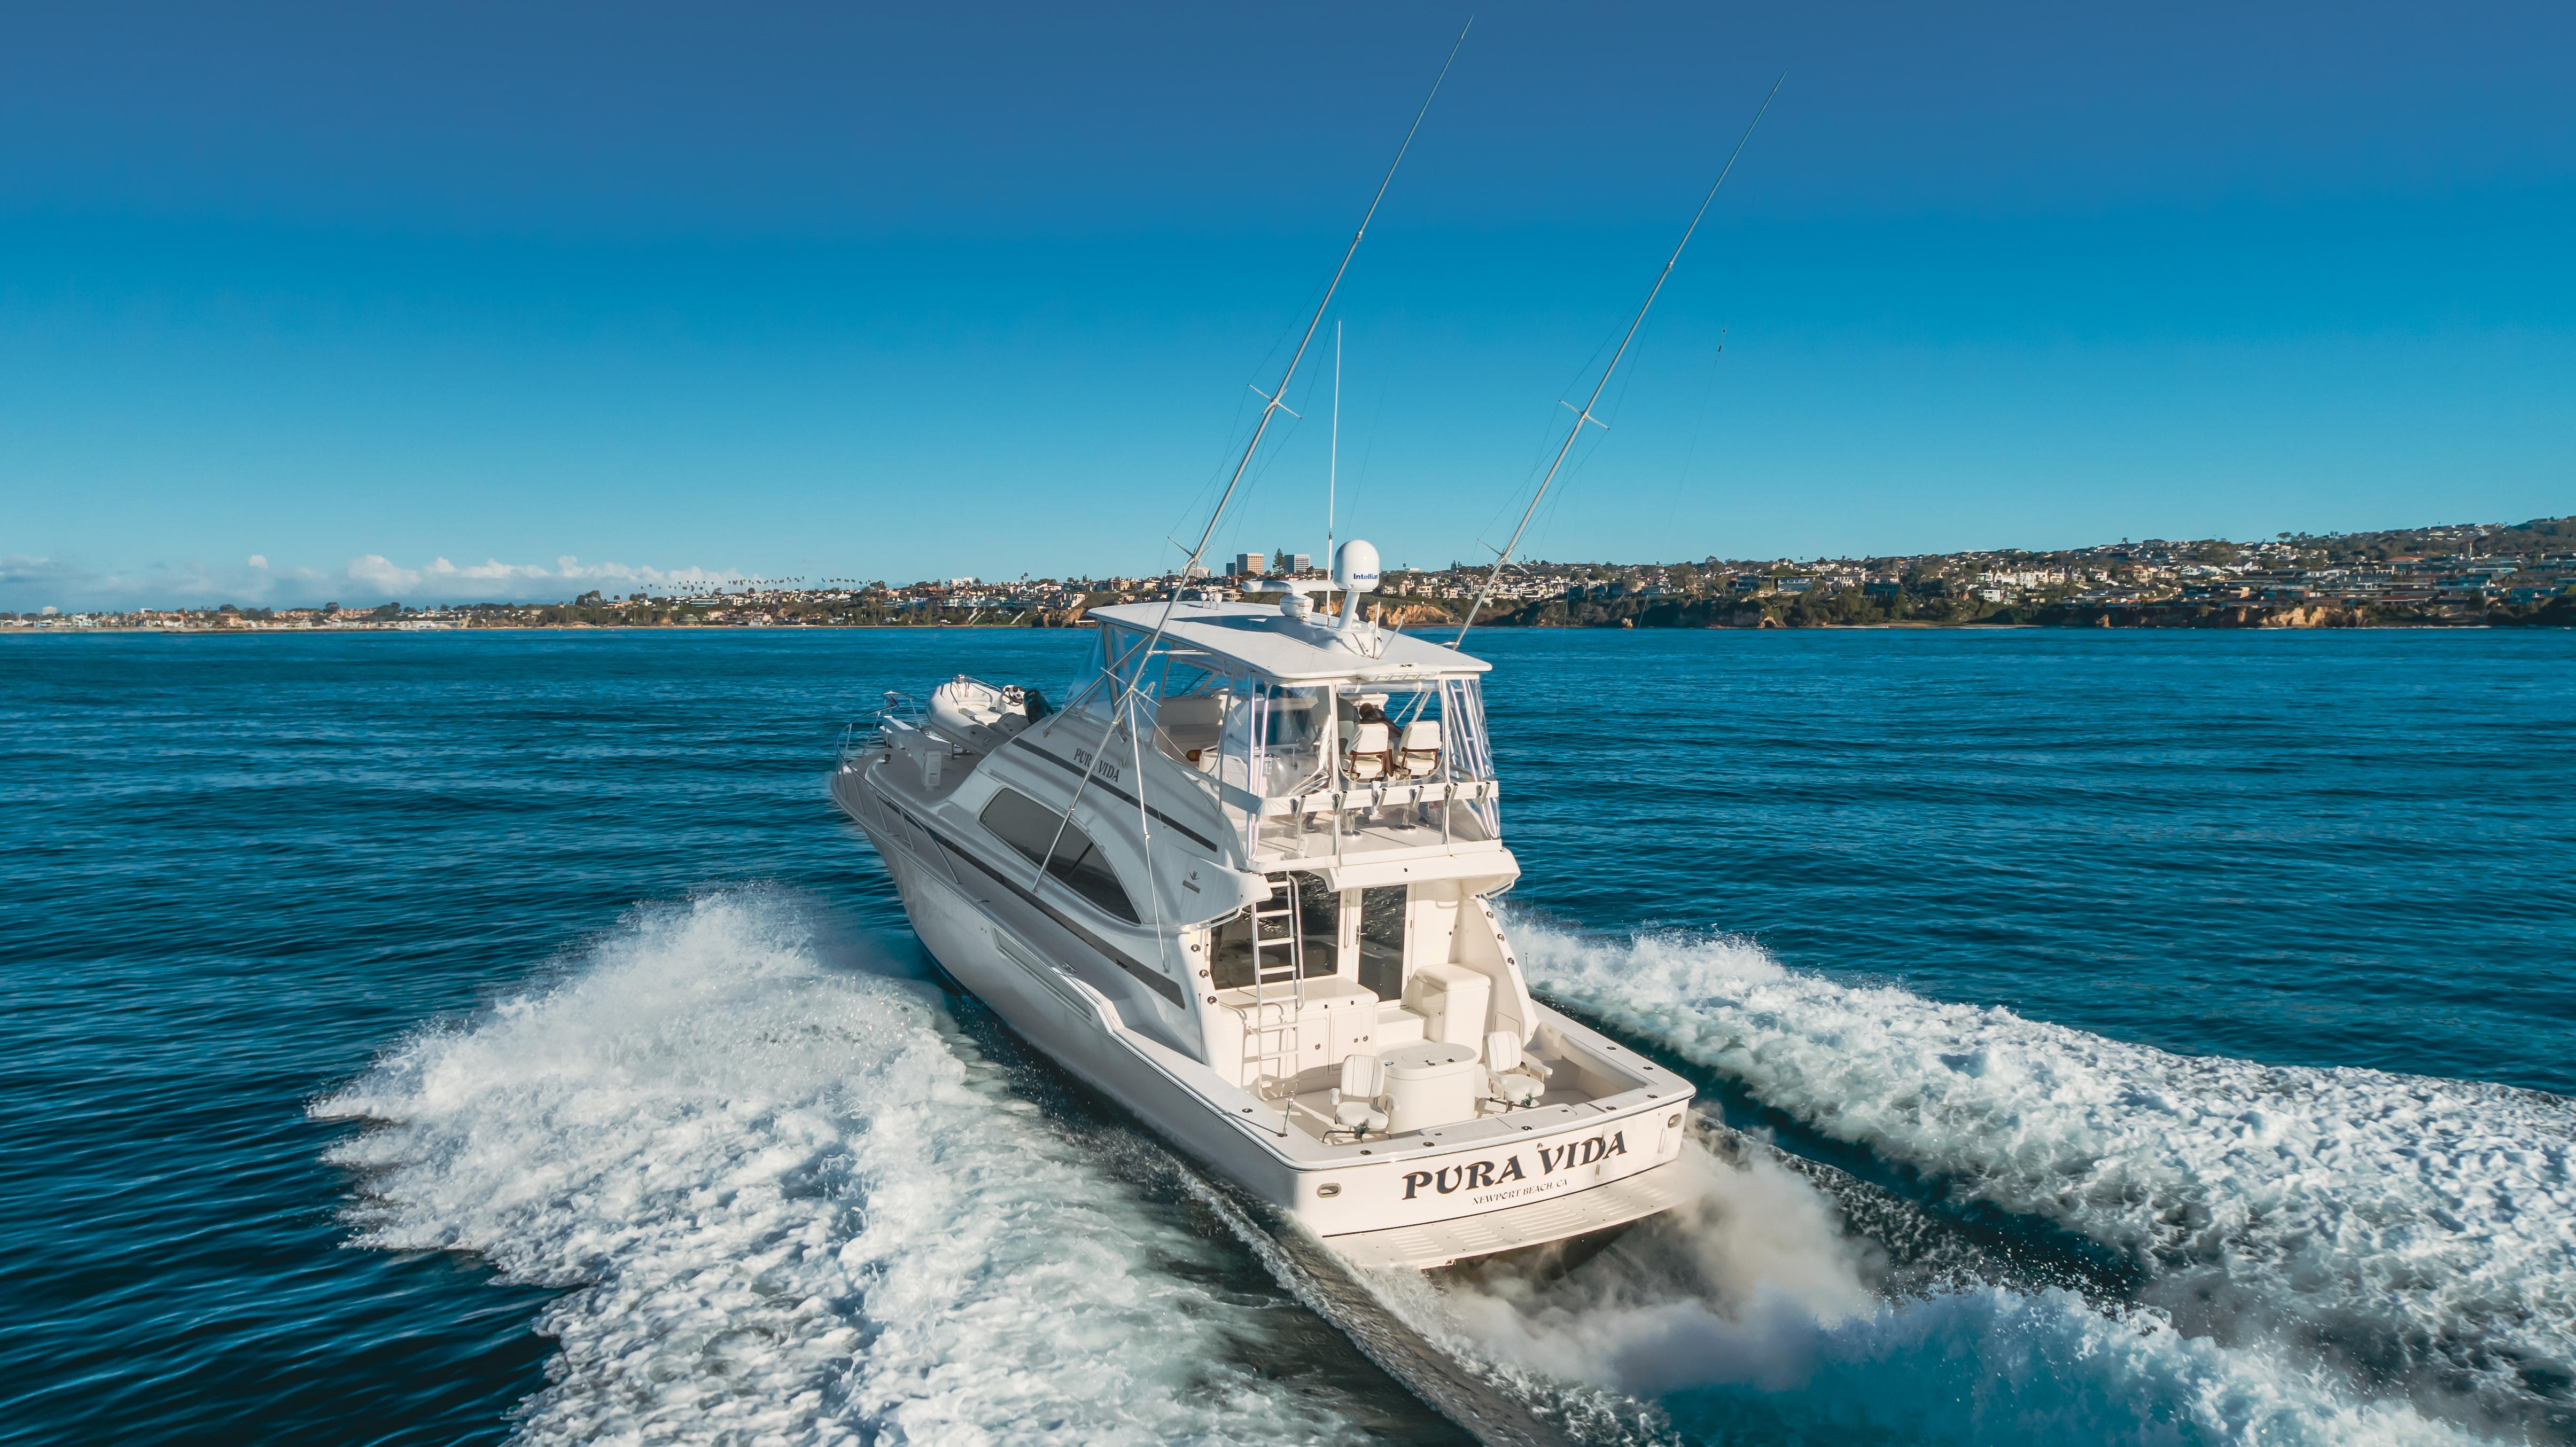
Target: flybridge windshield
column 1118, row 661
column 1266, row 747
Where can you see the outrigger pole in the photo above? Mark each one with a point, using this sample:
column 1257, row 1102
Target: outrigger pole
column 1503, row 559
column 1271, row 402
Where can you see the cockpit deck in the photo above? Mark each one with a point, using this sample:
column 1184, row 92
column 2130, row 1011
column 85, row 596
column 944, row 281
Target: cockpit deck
column 1347, row 1067
column 1311, row 1114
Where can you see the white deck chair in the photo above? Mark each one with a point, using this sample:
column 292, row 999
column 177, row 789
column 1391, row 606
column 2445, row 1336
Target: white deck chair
column 1421, row 753
column 1360, row 1101
column 1511, row 1077
column 1364, row 756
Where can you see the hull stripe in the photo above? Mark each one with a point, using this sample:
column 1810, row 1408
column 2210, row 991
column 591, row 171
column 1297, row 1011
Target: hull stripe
column 1154, row 979
column 1069, row 767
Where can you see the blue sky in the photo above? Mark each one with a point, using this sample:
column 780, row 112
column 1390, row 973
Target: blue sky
column 302, row 301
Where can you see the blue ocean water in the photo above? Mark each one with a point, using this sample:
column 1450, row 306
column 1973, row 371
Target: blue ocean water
column 452, row 1037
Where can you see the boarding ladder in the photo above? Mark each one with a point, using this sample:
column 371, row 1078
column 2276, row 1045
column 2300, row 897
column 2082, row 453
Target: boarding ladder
column 1278, row 989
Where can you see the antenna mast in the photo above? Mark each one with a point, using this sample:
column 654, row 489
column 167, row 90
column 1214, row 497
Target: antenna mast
column 1502, row 559
column 1333, row 457
column 1272, row 402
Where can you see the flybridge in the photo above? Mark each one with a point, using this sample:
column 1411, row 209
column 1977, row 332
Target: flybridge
column 1295, row 641
column 1313, row 740
column 1269, row 643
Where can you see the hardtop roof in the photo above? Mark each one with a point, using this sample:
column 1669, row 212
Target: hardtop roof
column 1263, row 640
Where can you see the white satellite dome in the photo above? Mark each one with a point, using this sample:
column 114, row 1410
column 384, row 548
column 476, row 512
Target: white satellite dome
column 1355, row 567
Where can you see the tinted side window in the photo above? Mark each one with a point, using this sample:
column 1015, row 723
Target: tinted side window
column 1026, row 825
column 1230, row 961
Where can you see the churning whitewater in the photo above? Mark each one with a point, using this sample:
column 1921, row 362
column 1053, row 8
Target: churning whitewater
column 1757, row 1317
column 2328, row 1255
column 794, row 1205
column 789, row 1200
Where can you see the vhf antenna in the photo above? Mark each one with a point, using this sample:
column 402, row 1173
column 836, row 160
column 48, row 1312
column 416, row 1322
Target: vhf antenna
column 1272, row 402
column 1585, row 414
column 1333, row 456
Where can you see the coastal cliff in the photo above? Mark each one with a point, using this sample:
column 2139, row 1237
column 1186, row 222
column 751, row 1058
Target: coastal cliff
column 1844, row 611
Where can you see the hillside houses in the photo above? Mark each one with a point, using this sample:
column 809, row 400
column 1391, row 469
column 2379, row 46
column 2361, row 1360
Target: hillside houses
column 2458, row 573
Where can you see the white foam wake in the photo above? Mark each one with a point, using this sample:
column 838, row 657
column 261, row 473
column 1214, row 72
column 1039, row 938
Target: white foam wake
column 2420, row 1234
column 797, row 1208
column 1749, row 1316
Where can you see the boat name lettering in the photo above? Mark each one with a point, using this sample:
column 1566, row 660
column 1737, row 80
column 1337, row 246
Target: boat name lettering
column 1477, row 1175
column 1102, row 767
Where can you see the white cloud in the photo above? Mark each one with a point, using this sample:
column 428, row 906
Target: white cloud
column 28, row 583
column 495, row 578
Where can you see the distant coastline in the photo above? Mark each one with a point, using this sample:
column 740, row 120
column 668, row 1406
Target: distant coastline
column 2446, row 576
column 2559, row 614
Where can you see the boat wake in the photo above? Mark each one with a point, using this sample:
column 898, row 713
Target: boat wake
column 2315, row 1255
column 789, row 1201
column 789, row 1198
column 1758, row 1316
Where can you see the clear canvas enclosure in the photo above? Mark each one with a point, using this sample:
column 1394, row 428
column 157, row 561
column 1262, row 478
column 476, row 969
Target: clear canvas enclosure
column 1303, row 766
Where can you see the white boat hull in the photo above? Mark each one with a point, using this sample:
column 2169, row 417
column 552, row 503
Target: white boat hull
column 1474, row 1189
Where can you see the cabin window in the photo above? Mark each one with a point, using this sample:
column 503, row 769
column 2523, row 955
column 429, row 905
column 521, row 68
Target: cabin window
column 1315, row 914
column 1027, row 825
column 1230, row 956
column 1382, row 941
column 1319, row 924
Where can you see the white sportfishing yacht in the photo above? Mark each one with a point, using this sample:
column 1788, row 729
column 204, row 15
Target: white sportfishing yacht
column 1242, row 884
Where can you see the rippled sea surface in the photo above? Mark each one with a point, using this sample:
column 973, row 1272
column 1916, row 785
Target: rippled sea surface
column 2105, row 1037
